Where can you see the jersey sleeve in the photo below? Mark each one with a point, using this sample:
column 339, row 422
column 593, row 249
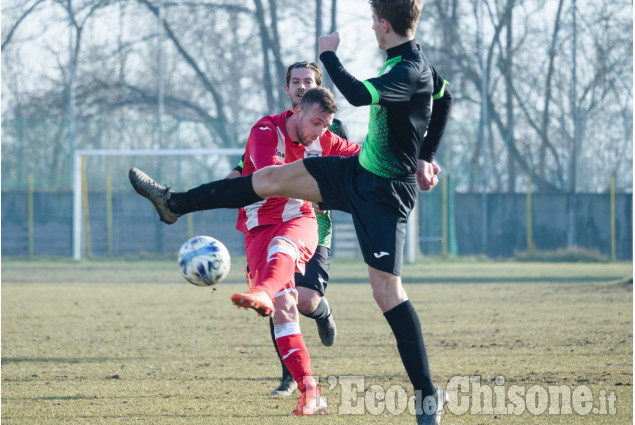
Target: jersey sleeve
column 343, row 147
column 352, row 89
column 262, row 143
column 441, row 106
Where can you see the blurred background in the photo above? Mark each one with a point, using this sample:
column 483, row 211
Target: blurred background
column 537, row 156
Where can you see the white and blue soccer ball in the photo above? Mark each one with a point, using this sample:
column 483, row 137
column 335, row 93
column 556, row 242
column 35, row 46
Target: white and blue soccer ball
column 204, row 261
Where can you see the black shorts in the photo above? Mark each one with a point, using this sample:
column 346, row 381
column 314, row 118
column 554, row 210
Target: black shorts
column 379, row 206
column 316, row 275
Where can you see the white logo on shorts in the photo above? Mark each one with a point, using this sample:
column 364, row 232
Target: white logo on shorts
column 380, row 254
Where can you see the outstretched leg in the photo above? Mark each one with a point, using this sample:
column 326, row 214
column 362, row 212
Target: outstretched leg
column 290, row 180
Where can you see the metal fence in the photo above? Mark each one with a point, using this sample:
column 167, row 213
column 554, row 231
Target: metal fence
column 120, row 224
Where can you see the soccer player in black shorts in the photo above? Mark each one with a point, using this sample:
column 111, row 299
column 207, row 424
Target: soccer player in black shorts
column 378, row 187
column 311, row 286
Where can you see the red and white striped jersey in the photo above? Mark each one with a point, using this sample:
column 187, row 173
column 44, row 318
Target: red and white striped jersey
column 269, row 144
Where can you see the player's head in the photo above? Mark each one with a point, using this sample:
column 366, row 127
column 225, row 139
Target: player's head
column 301, row 76
column 315, row 114
column 402, row 16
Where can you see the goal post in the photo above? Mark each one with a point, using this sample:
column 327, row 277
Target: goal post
column 78, row 181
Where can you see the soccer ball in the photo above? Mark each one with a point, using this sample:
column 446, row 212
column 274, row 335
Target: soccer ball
column 204, row 261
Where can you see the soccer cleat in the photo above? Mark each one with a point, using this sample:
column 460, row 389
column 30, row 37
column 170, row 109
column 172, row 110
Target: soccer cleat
column 311, row 405
column 326, row 328
column 287, row 386
column 257, row 299
column 156, row 193
column 254, row 298
column 433, row 408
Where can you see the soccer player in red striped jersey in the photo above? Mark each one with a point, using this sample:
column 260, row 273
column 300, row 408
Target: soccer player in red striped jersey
column 281, row 233
column 311, row 286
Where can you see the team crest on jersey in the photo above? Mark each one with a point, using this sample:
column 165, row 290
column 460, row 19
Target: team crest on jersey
column 309, row 154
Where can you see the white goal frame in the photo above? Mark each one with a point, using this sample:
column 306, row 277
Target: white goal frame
column 77, row 177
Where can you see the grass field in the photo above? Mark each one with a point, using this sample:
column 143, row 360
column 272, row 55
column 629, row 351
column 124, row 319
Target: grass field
column 131, row 342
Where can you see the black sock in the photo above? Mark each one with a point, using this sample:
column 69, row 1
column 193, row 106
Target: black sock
column 285, row 371
column 406, row 326
column 226, row 193
column 321, row 312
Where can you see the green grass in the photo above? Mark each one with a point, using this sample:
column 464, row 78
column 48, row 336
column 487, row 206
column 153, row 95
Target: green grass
column 121, row 342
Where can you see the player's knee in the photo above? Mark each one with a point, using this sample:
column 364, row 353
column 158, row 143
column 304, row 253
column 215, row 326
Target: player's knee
column 266, row 181
column 307, row 306
column 308, row 300
column 284, row 316
column 388, row 296
column 286, row 311
column 380, row 294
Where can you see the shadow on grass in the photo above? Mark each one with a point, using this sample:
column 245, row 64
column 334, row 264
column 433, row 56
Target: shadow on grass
column 9, row 360
column 482, row 280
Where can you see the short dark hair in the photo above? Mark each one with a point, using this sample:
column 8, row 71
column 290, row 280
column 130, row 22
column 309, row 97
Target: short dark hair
column 320, row 96
column 313, row 66
column 403, row 15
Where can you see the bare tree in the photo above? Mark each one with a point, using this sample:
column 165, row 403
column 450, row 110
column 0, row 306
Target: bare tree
column 225, row 65
column 529, row 88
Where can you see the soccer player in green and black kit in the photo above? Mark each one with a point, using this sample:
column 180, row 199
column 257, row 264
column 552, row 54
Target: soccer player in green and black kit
column 311, row 286
column 378, row 187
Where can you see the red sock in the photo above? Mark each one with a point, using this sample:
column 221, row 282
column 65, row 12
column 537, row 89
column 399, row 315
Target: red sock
column 279, row 271
column 295, row 357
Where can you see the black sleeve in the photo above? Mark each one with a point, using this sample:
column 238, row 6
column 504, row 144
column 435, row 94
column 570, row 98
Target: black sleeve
column 351, row 88
column 343, row 131
column 441, row 106
column 339, row 128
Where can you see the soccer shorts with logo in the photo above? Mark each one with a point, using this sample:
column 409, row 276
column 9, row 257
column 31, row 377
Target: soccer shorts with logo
column 316, row 276
column 379, row 206
column 300, row 232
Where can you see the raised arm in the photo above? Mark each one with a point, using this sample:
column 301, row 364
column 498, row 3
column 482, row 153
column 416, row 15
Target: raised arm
column 351, row 88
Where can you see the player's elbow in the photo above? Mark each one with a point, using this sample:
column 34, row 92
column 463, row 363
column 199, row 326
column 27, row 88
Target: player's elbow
column 357, row 102
column 359, row 96
column 447, row 97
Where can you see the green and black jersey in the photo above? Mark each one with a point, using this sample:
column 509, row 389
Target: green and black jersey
column 325, row 223
column 401, row 100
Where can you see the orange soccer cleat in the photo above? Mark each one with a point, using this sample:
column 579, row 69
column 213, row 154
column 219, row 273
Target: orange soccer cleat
column 254, row 298
column 309, row 405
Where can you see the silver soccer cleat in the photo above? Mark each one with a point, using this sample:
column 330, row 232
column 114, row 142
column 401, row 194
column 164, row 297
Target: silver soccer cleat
column 155, row 193
column 433, row 408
